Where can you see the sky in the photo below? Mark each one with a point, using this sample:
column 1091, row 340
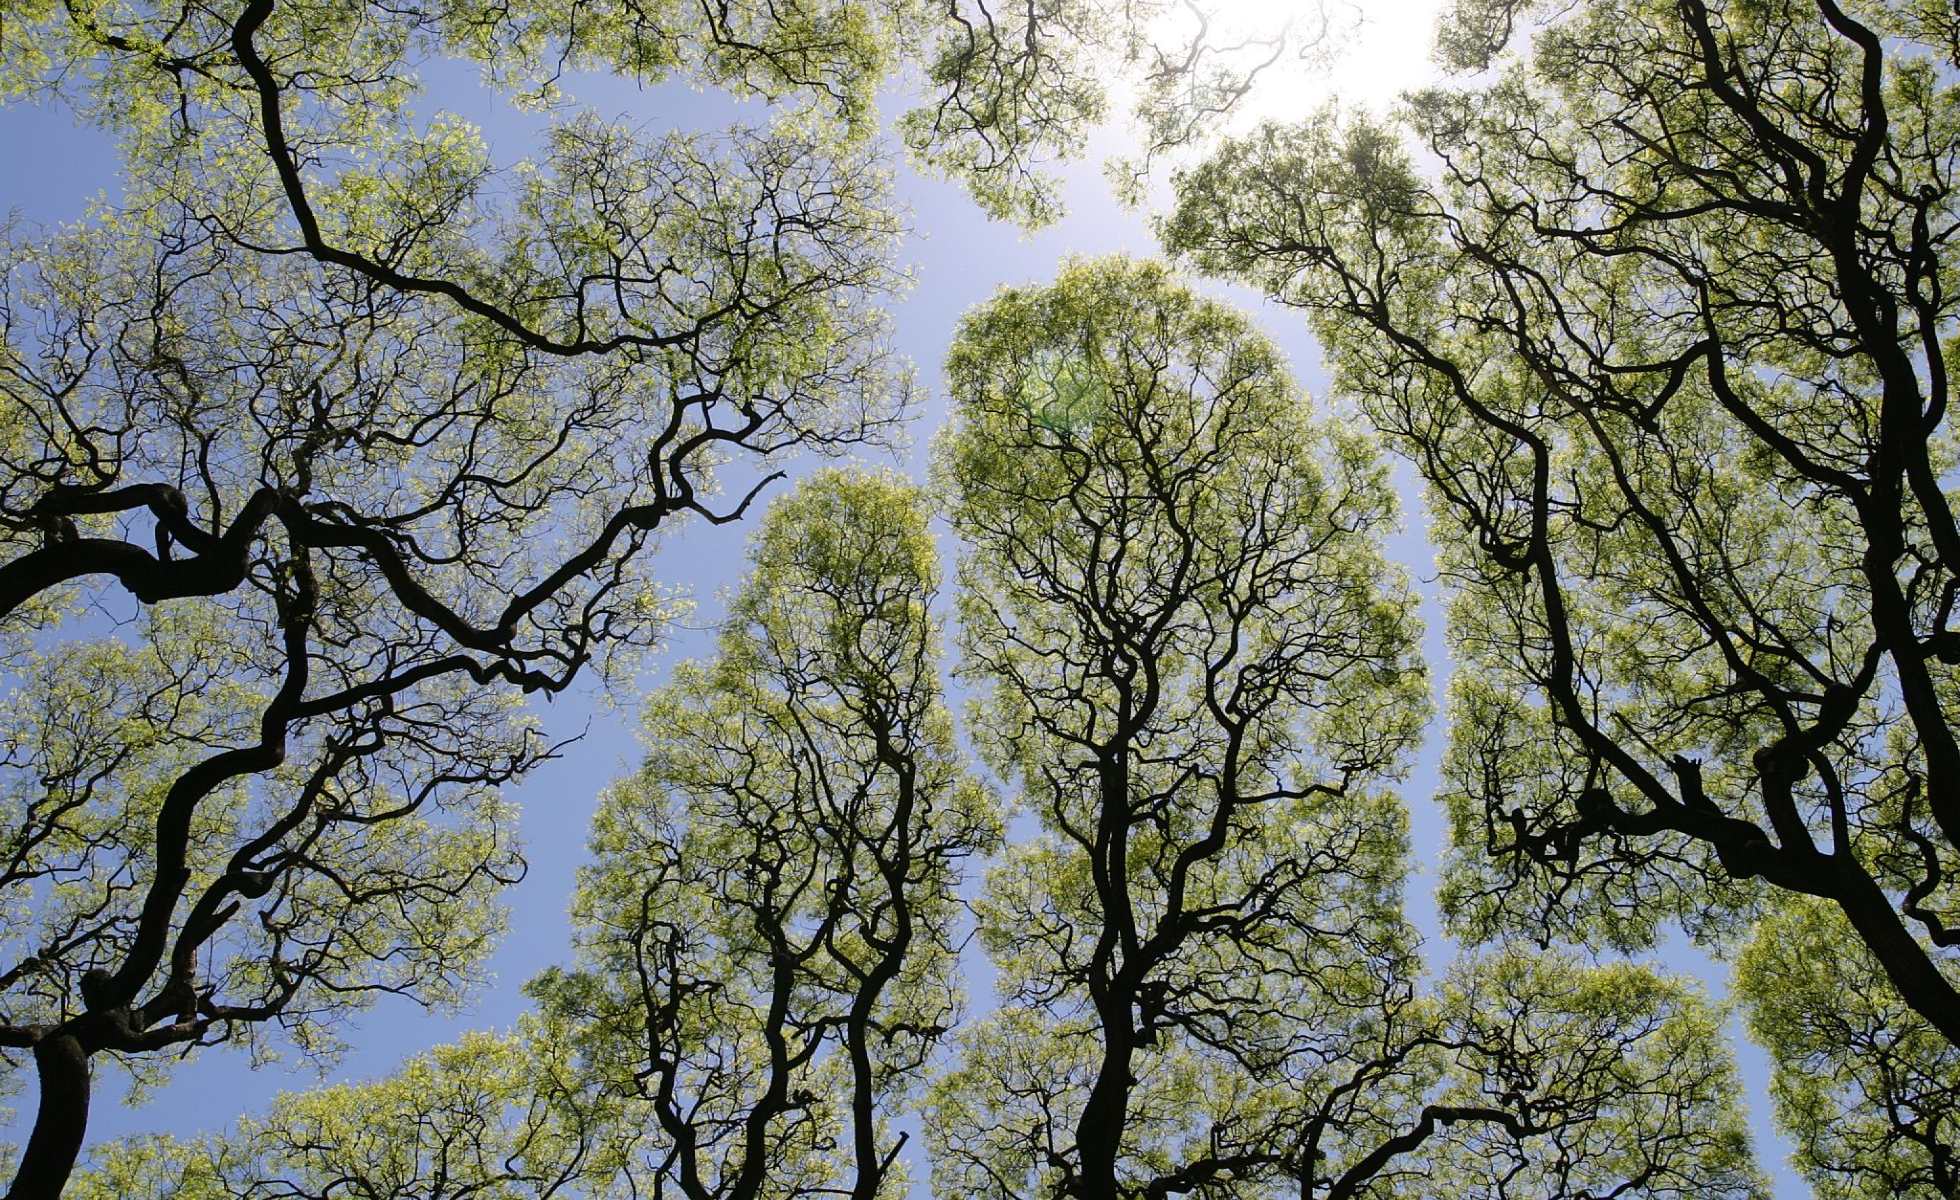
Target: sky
column 957, row 258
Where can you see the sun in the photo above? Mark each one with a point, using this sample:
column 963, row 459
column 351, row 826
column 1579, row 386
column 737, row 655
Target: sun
column 1360, row 53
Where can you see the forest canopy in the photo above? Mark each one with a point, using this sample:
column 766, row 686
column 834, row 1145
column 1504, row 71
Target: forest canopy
column 1036, row 816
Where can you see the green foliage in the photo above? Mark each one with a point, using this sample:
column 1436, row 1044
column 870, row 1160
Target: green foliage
column 1869, row 1091
column 1623, row 1077
column 1661, row 310
column 766, row 936
column 390, row 873
column 375, row 434
column 1007, row 89
column 376, row 428
column 1125, row 446
column 375, row 424
column 1200, row 674
column 1227, row 1003
column 499, row 1117
column 769, row 929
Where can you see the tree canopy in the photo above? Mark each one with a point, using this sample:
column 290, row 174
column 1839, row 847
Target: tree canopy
column 1663, row 312
column 1206, row 983
column 769, row 927
column 337, row 432
column 374, row 441
column 342, row 433
column 1199, row 673
column 766, row 935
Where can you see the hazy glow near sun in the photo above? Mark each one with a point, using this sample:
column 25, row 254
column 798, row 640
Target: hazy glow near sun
column 1385, row 50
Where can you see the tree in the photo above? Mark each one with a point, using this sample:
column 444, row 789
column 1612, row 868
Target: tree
column 769, row 928
column 484, row 1116
column 327, row 444
column 1200, row 674
column 1667, row 334
column 767, row 934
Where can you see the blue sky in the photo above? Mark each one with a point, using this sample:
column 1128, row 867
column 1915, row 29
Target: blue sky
column 958, row 258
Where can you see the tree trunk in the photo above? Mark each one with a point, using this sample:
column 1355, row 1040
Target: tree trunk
column 59, row 1122
column 1099, row 1133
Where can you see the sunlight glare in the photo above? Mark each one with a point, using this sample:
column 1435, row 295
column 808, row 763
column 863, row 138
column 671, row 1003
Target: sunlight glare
column 1379, row 50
